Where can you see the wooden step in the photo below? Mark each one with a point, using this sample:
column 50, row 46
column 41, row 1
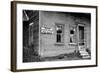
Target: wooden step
column 83, row 52
column 86, row 56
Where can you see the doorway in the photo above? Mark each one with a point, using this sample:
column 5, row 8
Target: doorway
column 80, row 37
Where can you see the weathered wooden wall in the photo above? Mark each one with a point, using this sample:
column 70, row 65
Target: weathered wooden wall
column 48, row 41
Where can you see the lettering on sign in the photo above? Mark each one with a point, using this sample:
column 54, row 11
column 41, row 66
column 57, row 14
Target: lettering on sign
column 46, row 30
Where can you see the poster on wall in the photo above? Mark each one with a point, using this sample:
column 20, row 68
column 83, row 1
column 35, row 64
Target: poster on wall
column 47, row 36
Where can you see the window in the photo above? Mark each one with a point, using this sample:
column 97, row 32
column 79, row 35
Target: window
column 59, row 33
column 73, row 35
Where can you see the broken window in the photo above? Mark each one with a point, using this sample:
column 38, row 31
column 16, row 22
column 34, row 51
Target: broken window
column 72, row 34
column 59, row 33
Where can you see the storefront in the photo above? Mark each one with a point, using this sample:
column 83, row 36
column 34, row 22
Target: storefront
column 67, row 32
column 52, row 33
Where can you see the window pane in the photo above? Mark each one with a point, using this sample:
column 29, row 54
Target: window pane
column 58, row 38
column 59, row 33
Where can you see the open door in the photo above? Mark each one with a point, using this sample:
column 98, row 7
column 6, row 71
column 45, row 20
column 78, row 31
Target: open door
column 80, row 36
column 81, row 41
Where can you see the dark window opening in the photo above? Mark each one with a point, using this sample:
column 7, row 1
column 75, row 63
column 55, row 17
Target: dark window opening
column 58, row 38
column 59, row 33
column 72, row 35
column 71, row 40
column 71, row 32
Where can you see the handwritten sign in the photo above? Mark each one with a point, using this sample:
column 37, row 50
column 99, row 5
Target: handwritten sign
column 46, row 30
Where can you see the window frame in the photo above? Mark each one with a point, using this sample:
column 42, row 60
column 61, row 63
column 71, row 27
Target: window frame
column 62, row 34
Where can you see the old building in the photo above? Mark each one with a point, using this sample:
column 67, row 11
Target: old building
column 50, row 33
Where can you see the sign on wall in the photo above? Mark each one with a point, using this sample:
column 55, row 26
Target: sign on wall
column 46, row 30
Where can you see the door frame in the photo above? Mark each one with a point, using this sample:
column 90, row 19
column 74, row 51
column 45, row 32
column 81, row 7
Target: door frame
column 79, row 24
